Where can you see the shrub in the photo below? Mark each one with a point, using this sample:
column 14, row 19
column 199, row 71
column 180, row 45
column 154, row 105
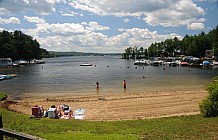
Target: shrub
column 213, row 85
column 207, row 109
column 209, row 106
column 3, row 96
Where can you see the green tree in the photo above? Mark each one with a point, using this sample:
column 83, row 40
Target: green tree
column 152, row 50
column 128, row 52
column 213, row 36
column 17, row 45
column 190, row 45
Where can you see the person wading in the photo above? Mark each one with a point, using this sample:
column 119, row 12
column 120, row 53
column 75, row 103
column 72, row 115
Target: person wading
column 124, row 84
column 97, row 85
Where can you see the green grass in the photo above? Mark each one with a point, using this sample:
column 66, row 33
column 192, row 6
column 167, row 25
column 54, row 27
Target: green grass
column 185, row 127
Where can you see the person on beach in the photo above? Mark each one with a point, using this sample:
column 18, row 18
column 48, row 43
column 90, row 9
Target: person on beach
column 67, row 112
column 124, row 84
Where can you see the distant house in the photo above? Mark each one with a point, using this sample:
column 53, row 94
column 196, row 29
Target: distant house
column 177, row 52
column 5, row 62
column 209, row 53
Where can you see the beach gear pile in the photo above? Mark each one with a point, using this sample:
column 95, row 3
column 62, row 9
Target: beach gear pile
column 59, row 112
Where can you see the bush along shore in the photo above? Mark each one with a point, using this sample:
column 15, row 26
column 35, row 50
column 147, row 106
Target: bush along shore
column 209, row 106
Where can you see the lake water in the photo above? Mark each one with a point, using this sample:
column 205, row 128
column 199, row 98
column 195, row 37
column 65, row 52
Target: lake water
column 63, row 76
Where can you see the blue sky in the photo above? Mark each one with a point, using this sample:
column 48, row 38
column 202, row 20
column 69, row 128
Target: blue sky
column 106, row 26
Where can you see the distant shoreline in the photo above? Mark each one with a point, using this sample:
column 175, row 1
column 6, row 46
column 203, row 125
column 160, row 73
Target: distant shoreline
column 66, row 54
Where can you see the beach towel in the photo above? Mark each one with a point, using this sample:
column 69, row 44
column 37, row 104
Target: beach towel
column 79, row 114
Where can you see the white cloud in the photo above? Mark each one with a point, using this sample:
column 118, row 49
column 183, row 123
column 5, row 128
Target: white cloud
column 42, row 7
column 94, row 26
column 12, row 20
column 165, row 13
column 86, row 38
column 126, row 20
column 121, row 7
column 36, row 20
column 72, row 14
column 196, row 26
column 66, row 11
column 65, row 29
column 144, row 37
column 177, row 14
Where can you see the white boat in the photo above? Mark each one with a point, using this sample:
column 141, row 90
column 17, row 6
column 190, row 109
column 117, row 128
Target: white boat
column 37, row 61
column 40, row 61
column 141, row 62
column 22, row 62
column 173, row 64
column 7, row 76
column 2, row 77
column 6, row 62
column 155, row 63
column 214, row 63
column 86, row 64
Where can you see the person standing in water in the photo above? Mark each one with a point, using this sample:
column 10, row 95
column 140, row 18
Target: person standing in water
column 97, row 85
column 124, row 84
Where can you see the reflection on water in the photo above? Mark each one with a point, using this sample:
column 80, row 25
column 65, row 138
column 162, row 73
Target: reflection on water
column 64, row 76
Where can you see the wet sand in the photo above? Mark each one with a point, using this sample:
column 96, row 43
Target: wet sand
column 131, row 106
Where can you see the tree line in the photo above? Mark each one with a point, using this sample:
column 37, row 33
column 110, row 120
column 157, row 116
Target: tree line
column 189, row 46
column 19, row 46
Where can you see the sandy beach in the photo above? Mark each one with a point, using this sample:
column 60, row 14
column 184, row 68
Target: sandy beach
column 131, row 106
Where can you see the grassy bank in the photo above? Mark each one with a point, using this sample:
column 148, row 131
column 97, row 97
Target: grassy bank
column 186, row 127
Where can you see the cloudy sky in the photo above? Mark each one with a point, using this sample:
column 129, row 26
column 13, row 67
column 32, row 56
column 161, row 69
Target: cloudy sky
column 106, row 26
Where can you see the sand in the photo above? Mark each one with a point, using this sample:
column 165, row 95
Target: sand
column 131, row 106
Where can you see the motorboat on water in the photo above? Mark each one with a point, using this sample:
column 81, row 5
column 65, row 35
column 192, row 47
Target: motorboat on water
column 21, row 62
column 37, row 61
column 155, row 63
column 86, row 64
column 205, row 63
column 173, row 64
column 141, row 62
column 184, row 63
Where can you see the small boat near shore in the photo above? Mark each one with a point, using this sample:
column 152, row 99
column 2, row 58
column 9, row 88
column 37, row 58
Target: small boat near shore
column 21, row 62
column 6, row 62
column 205, row 63
column 7, row 76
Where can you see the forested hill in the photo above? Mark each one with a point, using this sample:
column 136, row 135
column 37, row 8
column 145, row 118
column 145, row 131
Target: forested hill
column 63, row 54
column 19, row 46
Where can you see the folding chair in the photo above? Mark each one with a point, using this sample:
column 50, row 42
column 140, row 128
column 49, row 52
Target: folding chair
column 36, row 111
